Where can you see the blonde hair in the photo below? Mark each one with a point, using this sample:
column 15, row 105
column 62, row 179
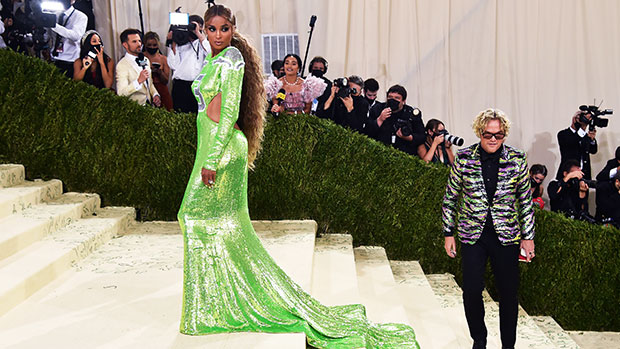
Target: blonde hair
column 253, row 102
column 482, row 120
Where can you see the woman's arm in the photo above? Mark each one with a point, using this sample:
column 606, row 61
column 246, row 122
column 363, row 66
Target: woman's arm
column 79, row 70
column 165, row 70
column 107, row 73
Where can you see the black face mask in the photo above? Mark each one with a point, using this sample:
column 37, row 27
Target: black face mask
column 152, row 50
column 392, row 104
column 317, row 72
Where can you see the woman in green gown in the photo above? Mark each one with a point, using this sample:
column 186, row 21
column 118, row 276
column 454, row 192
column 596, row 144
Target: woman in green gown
column 231, row 284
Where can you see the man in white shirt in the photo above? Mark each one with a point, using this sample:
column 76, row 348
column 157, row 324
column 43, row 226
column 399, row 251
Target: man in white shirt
column 70, row 27
column 133, row 72
column 186, row 62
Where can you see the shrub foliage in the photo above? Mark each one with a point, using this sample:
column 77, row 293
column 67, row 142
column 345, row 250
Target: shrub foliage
column 131, row 155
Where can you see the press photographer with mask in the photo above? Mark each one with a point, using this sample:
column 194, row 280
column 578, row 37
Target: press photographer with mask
column 69, row 29
column 318, row 68
column 346, row 103
column 186, row 58
column 395, row 123
column 578, row 142
column 568, row 194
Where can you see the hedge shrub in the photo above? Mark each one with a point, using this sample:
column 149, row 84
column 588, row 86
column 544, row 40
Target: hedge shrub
column 131, row 155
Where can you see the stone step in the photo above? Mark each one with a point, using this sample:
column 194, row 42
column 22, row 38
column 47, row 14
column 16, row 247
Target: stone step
column 334, row 277
column 451, row 300
column 529, row 335
column 21, row 229
column 596, row 340
column 555, row 333
column 25, row 195
column 423, row 308
column 377, row 287
column 11, row 174
column 27, row 271
column 127, row 294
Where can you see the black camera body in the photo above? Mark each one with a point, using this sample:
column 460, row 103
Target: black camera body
column 574, row 182
column 596, row 112
column 343, row 88
column 181, row 34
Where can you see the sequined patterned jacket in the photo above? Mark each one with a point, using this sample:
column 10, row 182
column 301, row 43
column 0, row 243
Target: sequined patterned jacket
column 512, row 209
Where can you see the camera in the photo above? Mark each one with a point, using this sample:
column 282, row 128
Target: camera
column 343, row 88
column 30, row 29
column 403, row 126
column 458, row 141
column 181, row 27
column 596, row 112
column 591, row 183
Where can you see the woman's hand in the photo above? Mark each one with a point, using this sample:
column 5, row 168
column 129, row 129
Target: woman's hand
column 100, row 55
column 86, row 62
column 208, row 177
column 276, row 108
column 438, row 140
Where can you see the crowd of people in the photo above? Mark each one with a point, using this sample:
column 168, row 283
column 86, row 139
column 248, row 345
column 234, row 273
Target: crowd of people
column 144, row 75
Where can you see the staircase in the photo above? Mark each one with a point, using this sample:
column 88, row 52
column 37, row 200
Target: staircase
column 76, row 275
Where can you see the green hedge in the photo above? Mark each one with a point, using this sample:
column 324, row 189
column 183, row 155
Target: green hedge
column 97, row 142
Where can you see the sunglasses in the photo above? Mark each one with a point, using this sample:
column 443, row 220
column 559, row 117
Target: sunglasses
column 489, row 135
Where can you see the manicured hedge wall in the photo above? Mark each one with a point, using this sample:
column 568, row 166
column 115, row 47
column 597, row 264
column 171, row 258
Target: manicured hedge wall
column 97, row 142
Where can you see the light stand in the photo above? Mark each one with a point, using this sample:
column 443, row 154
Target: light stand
column 312, row 21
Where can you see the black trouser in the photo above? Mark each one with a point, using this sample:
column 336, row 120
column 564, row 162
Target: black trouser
column 65, row 67
column 183, row 98
column 505, row 265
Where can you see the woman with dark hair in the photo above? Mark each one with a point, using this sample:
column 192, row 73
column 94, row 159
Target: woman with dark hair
column 93, row 66
column 231, row 284
column 435, row 148
column 299, row 92
column 159, row 67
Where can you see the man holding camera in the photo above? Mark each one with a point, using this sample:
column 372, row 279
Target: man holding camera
column 395, row 123
column 568, row 194
column 133, row 71
column 346, row 104
column 70, row 27
column 186, row 57
column 612, row 167
column 578, row 143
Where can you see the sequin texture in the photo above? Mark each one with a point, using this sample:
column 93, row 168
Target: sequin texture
column 231, row 284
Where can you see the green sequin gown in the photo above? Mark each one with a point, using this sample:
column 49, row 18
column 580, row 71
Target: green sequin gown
column 231, row 284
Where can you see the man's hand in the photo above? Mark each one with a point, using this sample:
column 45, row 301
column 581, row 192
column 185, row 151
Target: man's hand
column 528, row 247
column 8, row 22
column 574, row 174
column 348, row 103
column 385, row 113
column 399, row 133
column 198, row 32
column 583, row 187
column 450, row 246
column 144, row 75
column 208, row 177
column 157, row 101
column 592, row 134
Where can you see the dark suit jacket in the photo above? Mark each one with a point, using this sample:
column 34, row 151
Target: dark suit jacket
column 574, row 147
column 603, row 176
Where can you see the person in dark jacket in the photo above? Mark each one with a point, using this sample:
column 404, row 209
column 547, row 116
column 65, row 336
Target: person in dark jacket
column 395, row 123
column 611, row 168
column 568, row 195
column 577, row 142
column 608, row 200
column 318, row 68
column 348, row 110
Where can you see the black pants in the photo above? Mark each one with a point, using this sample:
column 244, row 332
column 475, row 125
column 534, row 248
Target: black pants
column 65, row 67
column 505, row 266
column 183, row 98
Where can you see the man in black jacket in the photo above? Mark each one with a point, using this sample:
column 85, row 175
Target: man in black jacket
column 348, row 109
column 578, row 143
column 608, row 200
column 611, row 168
column 318, row 68
column 395, row 123
column 568, row 194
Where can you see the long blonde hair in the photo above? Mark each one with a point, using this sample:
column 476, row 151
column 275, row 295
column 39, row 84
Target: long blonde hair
column 253, row 100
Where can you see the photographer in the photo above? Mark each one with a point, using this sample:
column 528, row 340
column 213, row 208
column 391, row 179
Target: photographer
column 568, row 194
column 608, row 201
column 346, row 104
column 578, row 143
column 70, row 28
column 394, row 122
column 611, row 168
column 371, row 87
column 436, row 148
column 538, row 173
column 318, row 68
column 186, row 57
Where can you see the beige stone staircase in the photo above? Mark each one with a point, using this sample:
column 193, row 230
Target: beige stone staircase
column 76, row 275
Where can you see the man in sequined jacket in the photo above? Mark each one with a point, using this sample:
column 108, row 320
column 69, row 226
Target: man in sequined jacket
column 495, row 217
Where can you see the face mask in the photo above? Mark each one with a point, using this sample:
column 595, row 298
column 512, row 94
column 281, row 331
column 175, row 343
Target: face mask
column 152, row 50
column 393, row 104
column 317, row 72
